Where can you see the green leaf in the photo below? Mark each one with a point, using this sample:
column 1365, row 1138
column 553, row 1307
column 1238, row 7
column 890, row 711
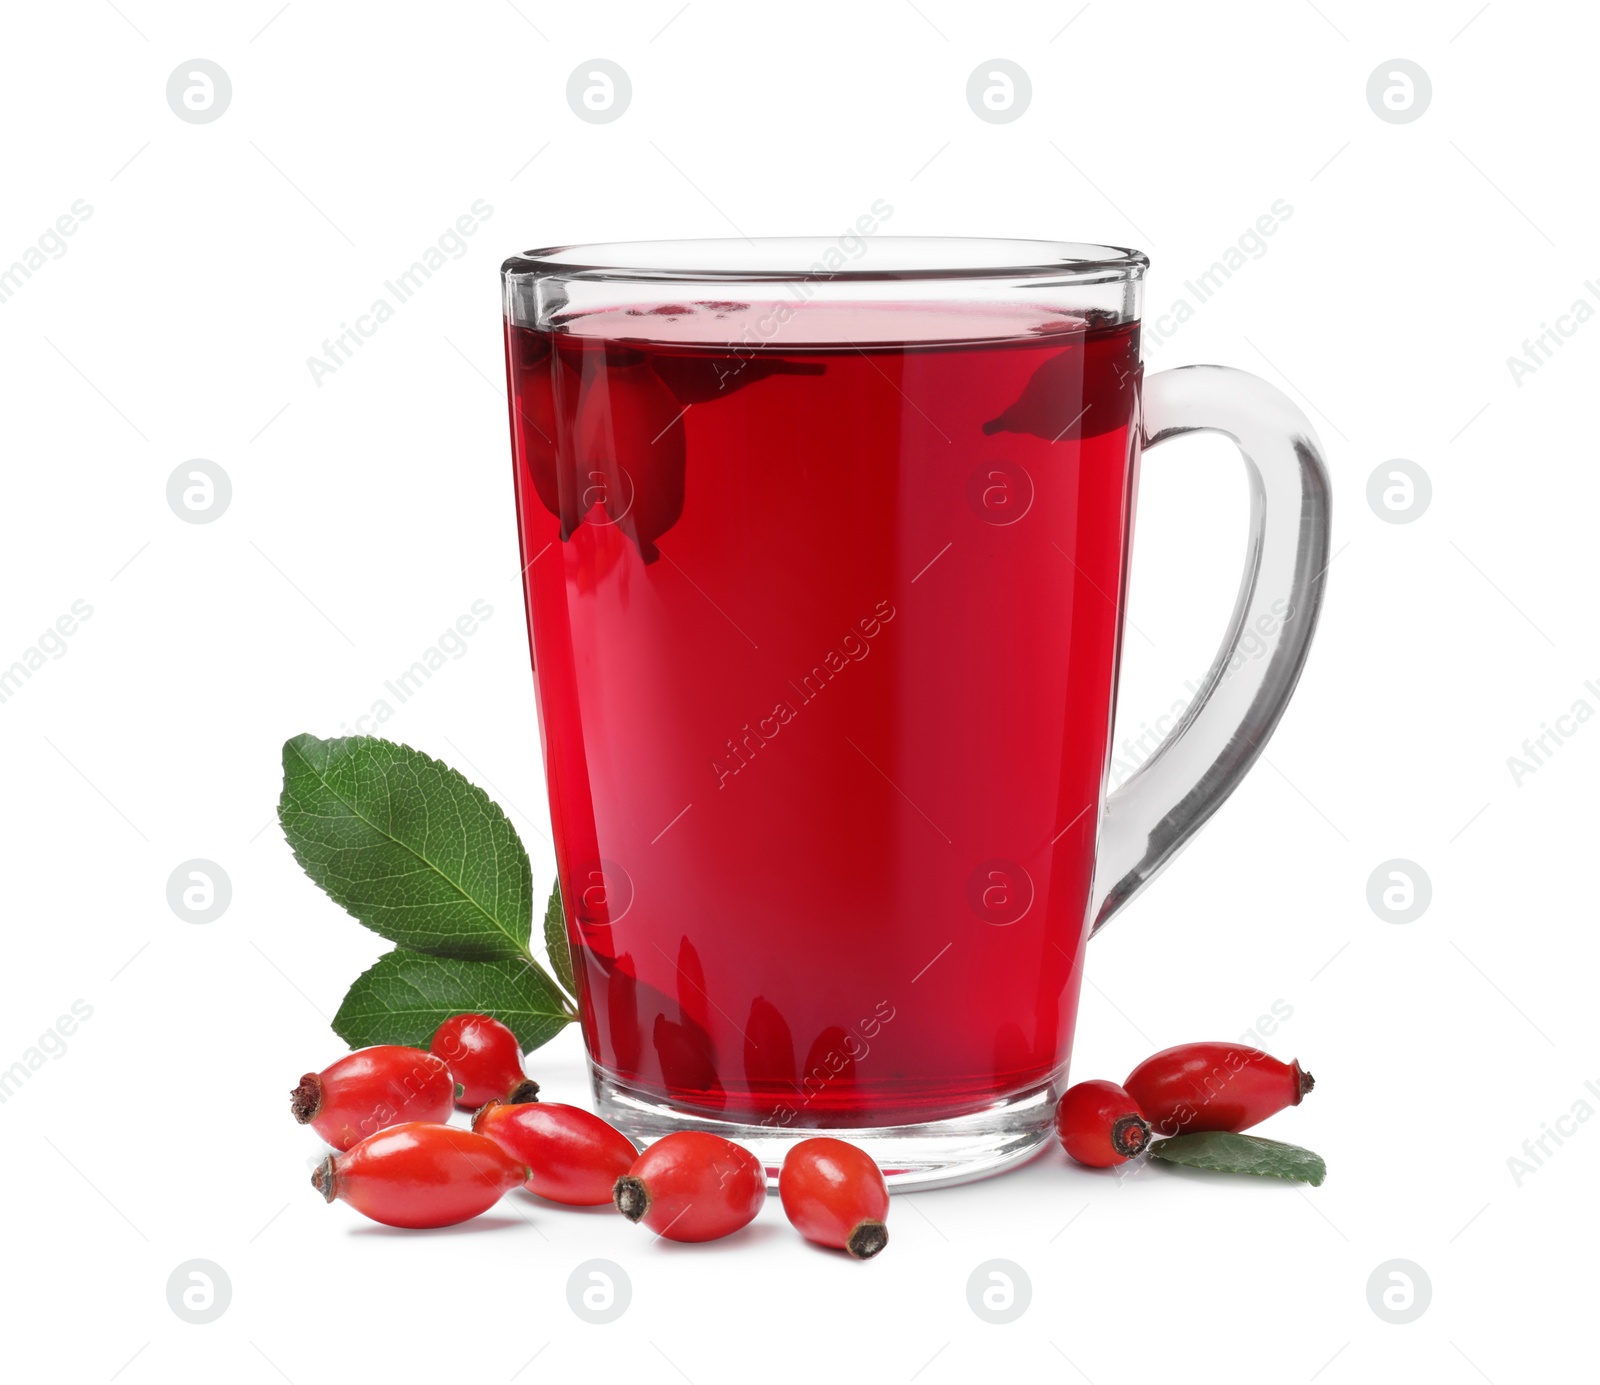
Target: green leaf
column 411, row 847
column 1229, row 1153
column 555, row 940
column 405, row 996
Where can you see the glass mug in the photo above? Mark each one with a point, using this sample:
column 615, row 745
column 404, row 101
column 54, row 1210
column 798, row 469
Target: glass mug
column 826, row 550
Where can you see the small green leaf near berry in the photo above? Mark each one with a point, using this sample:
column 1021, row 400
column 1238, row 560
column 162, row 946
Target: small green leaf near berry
column 555, row 940
column 405, row 996
column 1226, row 1152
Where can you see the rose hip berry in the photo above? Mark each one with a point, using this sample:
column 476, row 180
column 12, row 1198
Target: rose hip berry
column 1214, row 1086
column 691, row 1186
column 420, row 1175
column 1100, row 1124
column 370, row 1089
column 485, row 1059
column 574, row 1157
column 834, row 1194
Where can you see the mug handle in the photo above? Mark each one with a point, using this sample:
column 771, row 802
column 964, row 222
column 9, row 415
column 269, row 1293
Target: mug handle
column 1151, row 817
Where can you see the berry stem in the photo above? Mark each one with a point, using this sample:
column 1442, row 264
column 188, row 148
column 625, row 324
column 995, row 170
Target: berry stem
column 324, row 1179
column 1129, row 1135
column 631, row 1196
column 867, row 1238
column 306, row 1099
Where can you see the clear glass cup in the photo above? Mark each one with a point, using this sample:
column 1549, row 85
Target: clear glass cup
column 826, row 549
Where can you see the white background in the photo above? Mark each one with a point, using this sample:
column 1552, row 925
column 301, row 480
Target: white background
column 370, row 512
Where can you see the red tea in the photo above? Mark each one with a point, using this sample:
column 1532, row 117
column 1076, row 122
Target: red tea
column 825, row 625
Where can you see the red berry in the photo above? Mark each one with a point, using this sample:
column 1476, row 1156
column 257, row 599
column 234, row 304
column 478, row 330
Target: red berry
column 691, row 1186
column 485, row 1059
column 1100, row 1124
column 834, row 1194
column 1214, row 1086
column 575, row 1157
column 370, row 1089
column 419, row 1175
